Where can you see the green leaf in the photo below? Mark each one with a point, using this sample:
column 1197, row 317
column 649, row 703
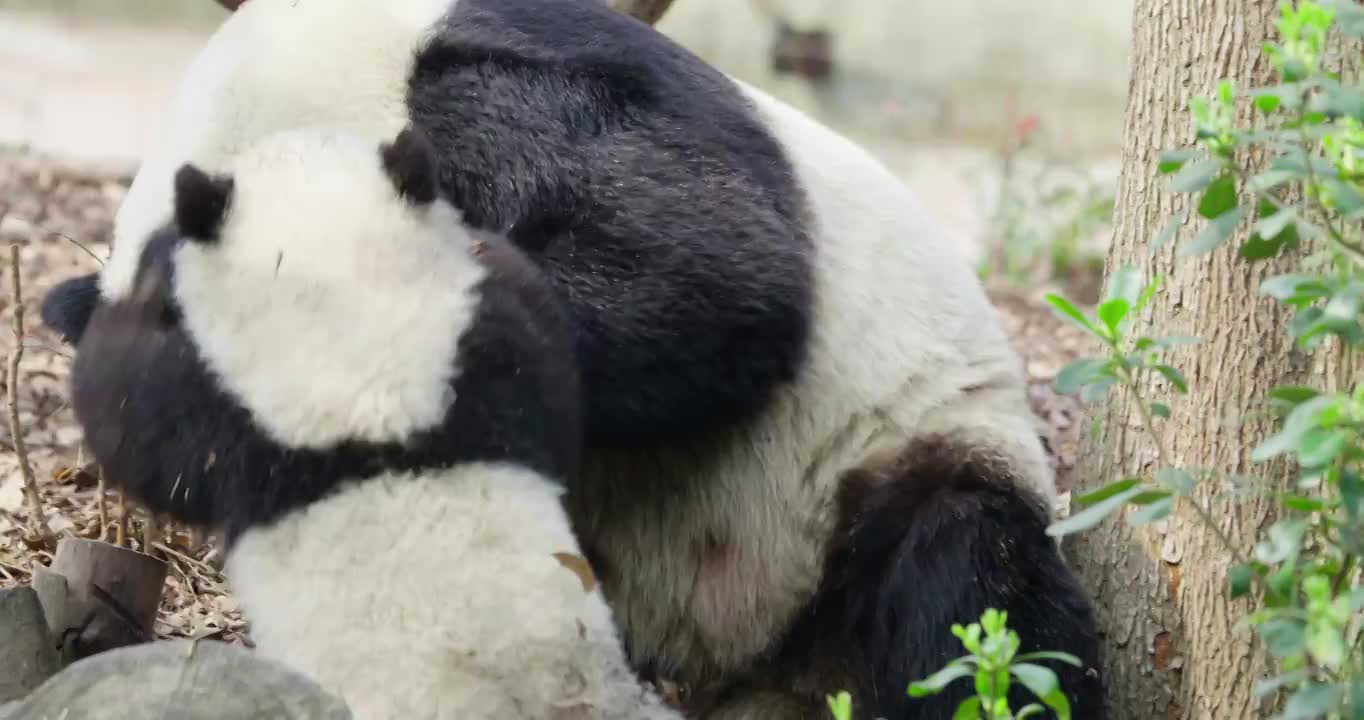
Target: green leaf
column 1305, row 325
column 1282, row 287
column 1341, row 314
column 1092, row 515
column 1107, row 491
column 1350, row 18
column 1146, row 497
column 1320, row 446
column 1302, row 504
column 840, row 705
column 1347, row 200
column 1044, row 684
column 1351, row 493
column 1176, row 479
column 969, row 709
column 1299, row 421
column 1067, row 311
column 1355, row 701
column 934, row 684
column 1285, row 537
column 1293, row 394
column 1079, row 373
column 1112, row 312
column 1171, row 227
column 1240, row 577
column 1219, row 198
column 1214, row 233
column 1282, row 580
column 1066, row 658
column 1267, row 102
column 1272, row 685
column 1147, row 293
column 1196, row 176
column 1311, row 701
column 1342, row 100
column 1125, row 284
column 1094, row 391
column 1160, row 410
column 1151, row 513
column 1295, row 161
column 1283, row 637
column 1174, row 376
column 1326, row 644
column 1271, row 234
column 1270, row 179
column 1172, row 160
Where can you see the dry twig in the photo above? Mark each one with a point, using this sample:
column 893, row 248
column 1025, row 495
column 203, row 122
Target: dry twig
column 101, row 504
column 150, row 531
column 37, row 520
column 121, row 530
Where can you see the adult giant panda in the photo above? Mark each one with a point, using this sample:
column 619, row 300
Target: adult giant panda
column 808, row 449
column 386, row 464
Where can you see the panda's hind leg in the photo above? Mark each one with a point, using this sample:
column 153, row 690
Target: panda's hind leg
column 931, row 539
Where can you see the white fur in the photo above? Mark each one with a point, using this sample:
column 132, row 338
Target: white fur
column 439, row 596
column 330, row 307
column 273, row 65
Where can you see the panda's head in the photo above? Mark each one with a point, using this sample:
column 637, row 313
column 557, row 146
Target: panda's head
column 316, row 314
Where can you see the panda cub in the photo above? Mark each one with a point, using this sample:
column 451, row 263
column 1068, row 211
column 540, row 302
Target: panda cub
column 380, row 409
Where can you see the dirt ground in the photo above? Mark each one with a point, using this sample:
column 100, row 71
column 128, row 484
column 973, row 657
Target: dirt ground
column 62, row 218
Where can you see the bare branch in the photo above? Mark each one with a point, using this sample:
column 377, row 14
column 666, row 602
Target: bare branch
column 650, row 11
column 37, row 520
column 102, row 508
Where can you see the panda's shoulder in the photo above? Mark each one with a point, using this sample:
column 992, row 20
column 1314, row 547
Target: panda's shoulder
column 585, row 41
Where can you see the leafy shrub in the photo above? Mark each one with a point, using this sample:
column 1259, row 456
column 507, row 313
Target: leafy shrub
column 1308, row 204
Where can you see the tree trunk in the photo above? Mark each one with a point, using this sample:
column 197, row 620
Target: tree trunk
column 650, row 11
column 1174, row 646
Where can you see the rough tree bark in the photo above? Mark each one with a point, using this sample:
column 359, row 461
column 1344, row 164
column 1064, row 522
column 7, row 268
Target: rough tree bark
column 650, row 11
column 1174, row 647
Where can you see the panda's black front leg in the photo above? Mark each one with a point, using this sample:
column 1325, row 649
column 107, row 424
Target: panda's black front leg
column 136, row 387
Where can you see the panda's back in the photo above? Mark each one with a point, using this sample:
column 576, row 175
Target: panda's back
column 734, row 525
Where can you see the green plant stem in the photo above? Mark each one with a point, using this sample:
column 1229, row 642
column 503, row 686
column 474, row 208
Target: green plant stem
column 1148, row 421
column 1355, row 252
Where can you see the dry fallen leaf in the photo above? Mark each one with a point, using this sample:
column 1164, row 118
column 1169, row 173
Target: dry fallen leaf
column 580, row 567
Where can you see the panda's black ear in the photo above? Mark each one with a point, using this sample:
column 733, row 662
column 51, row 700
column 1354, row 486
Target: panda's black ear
column 410, row 161
column 201, row 202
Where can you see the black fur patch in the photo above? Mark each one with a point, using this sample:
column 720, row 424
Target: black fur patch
column 643, row 182
column 165, row 430
column 410, row 162
column 67, row 306
column 201, row 202
column 933, row 539
column 665, row 213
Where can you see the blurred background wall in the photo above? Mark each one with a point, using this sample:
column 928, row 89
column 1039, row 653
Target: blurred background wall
column 976, row 103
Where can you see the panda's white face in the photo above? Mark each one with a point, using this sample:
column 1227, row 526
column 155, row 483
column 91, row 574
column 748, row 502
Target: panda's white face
column 316, row 238
column 306, row 305
column 274, row 65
